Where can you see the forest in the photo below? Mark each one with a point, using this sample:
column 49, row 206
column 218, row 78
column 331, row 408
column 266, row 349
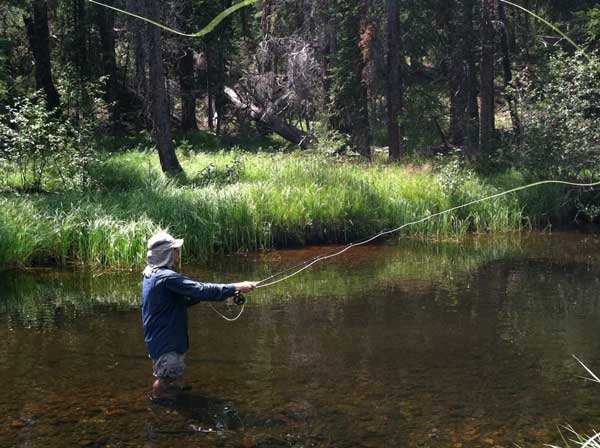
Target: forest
column 290, row 122
column 351, row 223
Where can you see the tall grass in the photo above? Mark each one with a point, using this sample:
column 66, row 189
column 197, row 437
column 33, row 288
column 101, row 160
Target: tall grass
column 275, row 200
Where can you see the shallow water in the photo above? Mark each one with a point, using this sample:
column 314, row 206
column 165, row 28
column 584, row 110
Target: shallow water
column 409, row 344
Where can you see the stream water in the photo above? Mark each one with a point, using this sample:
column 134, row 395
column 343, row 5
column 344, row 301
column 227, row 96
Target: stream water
column 410, row 344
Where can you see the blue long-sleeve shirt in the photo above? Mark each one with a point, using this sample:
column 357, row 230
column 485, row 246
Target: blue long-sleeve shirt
column 166, row 296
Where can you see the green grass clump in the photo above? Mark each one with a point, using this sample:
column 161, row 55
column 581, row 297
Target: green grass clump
column 241, row 202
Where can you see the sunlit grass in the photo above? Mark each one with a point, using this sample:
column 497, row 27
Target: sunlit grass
column 270, row 200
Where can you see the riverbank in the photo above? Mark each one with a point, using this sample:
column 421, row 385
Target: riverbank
column 232, row 201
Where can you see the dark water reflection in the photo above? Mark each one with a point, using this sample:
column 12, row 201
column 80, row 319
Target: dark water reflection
column 415, row 344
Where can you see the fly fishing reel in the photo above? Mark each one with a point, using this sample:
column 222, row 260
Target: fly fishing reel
column 239, row 298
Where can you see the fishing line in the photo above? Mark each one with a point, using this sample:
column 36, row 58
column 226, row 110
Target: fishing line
column 228, row 319
column 555, row 28
column 204, row 31
column 305, row 265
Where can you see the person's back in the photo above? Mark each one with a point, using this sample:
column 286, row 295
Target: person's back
column 164, row 314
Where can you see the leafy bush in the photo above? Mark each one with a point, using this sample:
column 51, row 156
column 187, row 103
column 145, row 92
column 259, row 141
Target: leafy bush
column 41, row 145
column 452, row 171
column 213, row 175
column 561, row 120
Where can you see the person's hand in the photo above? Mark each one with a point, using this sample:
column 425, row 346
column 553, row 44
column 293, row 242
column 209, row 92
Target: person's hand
column 245, row 287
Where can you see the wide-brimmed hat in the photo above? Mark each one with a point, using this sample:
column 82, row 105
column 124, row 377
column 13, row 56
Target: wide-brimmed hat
column 163, row 241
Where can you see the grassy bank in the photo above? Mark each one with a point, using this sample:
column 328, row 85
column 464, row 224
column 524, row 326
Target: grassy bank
column 232, row 201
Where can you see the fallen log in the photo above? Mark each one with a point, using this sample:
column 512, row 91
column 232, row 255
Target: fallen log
column 269, row 119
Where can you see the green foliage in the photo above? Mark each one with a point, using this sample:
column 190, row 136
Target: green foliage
column 82, row 102
column 423, row 107
column 561, row 120
column 213, row 175
column 42, row 146
column 590, row 20
column 333, row 142
column 453, row 171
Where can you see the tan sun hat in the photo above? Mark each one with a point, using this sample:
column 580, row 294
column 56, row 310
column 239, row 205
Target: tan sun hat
column 163, row 241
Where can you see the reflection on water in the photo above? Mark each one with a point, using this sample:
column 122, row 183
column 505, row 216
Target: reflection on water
column 413, row 344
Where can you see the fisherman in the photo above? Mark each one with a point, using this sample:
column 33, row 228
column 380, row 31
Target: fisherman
column 166, row 296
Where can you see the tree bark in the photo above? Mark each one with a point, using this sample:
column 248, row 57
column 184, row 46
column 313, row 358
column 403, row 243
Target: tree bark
column 223, row 43
column 349, row 108
column 36, row 24
column 80, row 48
column 106, row 21
column 269, row 119
column 393, row 79
column 458, row 73
column 187, row 86
column 187, row 80
column 487, row 113
column 220, row 97
column 328, row 50
column 265, row 23
column 506, row 65
column 160, row 108
column 139, row 42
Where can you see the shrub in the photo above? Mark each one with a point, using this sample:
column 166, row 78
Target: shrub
column 561, row 120
column 42, row 145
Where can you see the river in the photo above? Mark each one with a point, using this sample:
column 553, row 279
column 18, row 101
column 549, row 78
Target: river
column 410, row 343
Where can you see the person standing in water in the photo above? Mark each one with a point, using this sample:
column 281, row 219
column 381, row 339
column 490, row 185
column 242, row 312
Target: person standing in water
column 166, row 296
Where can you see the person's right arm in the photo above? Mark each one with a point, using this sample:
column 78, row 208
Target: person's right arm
column 195, row 292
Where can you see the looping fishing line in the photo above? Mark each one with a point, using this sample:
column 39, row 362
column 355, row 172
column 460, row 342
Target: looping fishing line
column 204, row 31
column 228, row 319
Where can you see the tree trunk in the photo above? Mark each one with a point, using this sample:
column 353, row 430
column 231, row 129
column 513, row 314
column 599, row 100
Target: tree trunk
column 328, row 50
column 349, row 103
column 80, row 48
column 487, row 113
column 187, row 81
column 187, row 85
column 222, row 47
column 220, row 97
column 36, row 25
column 393, row 79
column 458, row 72
column 265, row 23
column 160, row 108
column 269, row 119
column 140, row 46
column 106, row 21
column 209, row 86
column 506, row 65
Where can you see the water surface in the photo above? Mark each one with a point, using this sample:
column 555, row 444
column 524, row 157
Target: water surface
column 454, row 344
